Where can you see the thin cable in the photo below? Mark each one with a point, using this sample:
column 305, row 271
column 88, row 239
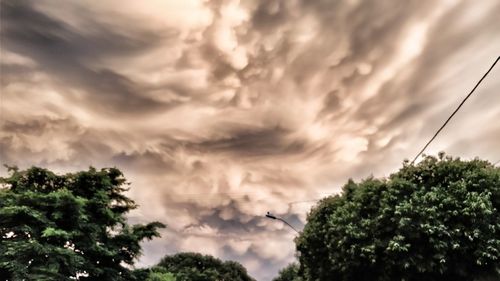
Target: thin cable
column 215, row 193
column 456, row 110
column 305, row 201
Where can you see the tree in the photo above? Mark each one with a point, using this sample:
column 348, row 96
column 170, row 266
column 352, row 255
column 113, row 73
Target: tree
column 197, row 267
column 437, row 220
column 58, row 227
column 289, row 273
column 160, row 274
column 154, row 274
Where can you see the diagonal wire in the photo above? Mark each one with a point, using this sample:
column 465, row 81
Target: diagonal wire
column 456, row 110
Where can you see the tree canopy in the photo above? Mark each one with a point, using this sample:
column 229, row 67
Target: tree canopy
column 160, row 274
column 289, row 273
column 437, row 220
column 58, row 227
column 197, row 267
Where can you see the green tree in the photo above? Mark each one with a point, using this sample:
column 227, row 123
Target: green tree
column 437, row 220
column 160, row 274
column 289, row 273
column 197, row 267
column 58, row 227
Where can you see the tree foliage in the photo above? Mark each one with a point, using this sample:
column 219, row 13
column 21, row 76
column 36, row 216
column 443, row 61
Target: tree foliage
column 197, row 267
column 160, row 274
column 289, row 273
column 438, row 220
column 58, row 227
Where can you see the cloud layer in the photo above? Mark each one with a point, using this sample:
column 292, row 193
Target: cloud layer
column 218, row 111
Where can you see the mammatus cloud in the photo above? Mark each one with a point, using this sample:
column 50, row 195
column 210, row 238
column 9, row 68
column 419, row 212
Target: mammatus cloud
column 218, row 111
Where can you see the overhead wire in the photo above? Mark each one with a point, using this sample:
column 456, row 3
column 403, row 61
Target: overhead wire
column 456, row 110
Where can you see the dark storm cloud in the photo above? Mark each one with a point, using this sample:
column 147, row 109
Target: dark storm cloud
column 6, row 152
column 408, row 99
column 253, row 142
column 147, row 162
column 12, row 73
column 270, row 14
column 31, row 127
column 226, row 219
column 67, row 55
column 19, row 137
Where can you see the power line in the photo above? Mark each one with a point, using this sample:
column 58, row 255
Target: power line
column 305, row 201
column 456, row 110
column 214, row 193
column 310, row 200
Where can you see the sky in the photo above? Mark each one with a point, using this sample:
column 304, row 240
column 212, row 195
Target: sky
column 219, row 111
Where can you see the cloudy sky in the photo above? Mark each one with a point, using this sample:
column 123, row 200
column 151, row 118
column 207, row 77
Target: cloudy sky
column 218, row 111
